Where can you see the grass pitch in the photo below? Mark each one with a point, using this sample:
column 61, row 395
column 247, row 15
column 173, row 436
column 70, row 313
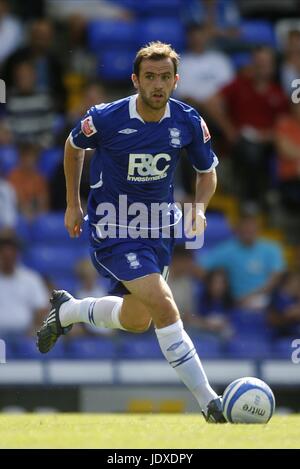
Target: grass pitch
column 142, row 431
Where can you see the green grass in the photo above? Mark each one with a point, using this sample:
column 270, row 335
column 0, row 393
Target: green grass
column 142, row 431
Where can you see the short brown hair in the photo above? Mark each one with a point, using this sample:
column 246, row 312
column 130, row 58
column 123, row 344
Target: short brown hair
column 155, row 50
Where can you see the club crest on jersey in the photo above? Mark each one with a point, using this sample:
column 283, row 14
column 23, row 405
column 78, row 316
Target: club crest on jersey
column 88, row 127
column 175, row 140
column 133, row 261
column 205, row 131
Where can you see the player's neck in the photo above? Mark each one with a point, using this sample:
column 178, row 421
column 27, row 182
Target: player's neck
column 147, row 113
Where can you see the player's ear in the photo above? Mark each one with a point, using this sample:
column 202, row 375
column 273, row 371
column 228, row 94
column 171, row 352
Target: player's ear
column 176, row 81
column 134, row 79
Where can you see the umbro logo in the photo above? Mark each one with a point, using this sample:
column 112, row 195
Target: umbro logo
column 127, row 131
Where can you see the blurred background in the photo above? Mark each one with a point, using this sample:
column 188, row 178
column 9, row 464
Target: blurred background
column 239, row 295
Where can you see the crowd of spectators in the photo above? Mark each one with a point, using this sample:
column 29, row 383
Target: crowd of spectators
column 55, row 68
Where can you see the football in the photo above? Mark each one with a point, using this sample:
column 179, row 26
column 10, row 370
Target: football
column 248, row 400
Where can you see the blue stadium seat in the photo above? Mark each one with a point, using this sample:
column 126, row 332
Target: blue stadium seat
column 25, row 349
column 258, row 32
column 65, row 282
column 104, row 33
column 92, row 347
column 248, row 347
column 139, row 347
column 53, row 260
column 207, row 346
column 240, row 59
column 249, row 324
column 218, row 229
column 9, row 158
column 49, row 161
column 170, row 30
column 282, row 348
column 115, row 64
column 49, row 228
column 23, row 229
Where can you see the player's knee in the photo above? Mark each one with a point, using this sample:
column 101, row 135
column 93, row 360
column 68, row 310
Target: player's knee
column 140, row 327
column 164, row 312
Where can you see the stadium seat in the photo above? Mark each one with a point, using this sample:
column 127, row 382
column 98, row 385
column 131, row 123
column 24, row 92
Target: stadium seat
column 250, row 324
column 248, row 347
column 104, row 33
column 240, row 59
column 8, row 158
column 91, row 347
column 218, row 229
column 49, row 161
column 53, row 260
column 207, row 346
column 282, row 348
column 139, row 347
column 258, row 32
column 170, row 30
column 25, row 348
column 65, row 282
column 115, row 64
column 23, row 229
column 50, row 229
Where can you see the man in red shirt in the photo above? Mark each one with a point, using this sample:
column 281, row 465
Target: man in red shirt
column 246, row 111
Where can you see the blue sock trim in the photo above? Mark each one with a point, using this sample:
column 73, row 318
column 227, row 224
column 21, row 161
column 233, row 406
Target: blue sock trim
column 91, row 313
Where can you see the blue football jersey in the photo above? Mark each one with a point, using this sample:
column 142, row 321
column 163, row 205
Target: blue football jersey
column 137, row 158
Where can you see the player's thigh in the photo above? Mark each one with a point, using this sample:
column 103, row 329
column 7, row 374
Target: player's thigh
column 153, row 291
column 135, row 315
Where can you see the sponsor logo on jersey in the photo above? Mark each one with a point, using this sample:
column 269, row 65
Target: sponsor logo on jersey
column 145, row 167
column 127, row 131
column 88, row 127
column 175, row 140
column 205, row 131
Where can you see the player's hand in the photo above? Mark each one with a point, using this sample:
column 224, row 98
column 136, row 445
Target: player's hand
column 195, row 221
column 73, row 221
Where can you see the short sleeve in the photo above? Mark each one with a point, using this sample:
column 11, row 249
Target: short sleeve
column 276, row 259
column 199, row 151
column 86, row 133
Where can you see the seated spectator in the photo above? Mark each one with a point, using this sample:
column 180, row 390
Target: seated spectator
column 290, row 67
column 246, row 110
column 221, row 17
column 203, row 72
column 214, row 305
column 284, row 309
column 8, row 205
column 90, row 286
column 253, row 264
column 23, row 295
column 29, row 111
column 46, row 63
column 10, row 31
column 183, row 272
column 288, row 153
column 30, row 186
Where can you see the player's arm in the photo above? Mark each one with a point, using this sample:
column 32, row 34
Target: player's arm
column 73, row 164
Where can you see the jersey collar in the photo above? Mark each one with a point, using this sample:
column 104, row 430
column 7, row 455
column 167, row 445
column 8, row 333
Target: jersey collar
column 135, row 115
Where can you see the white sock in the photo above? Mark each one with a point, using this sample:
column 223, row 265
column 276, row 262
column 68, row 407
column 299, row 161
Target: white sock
column 180, row 352
column 99, row 312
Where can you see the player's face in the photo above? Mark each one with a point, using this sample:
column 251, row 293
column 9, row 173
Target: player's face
column 156, row 82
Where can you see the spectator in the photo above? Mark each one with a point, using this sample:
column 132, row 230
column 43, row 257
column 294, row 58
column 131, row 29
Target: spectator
column 221, row 17
column 203, row 72
column 89, row 281
column 288, row 153
column 29, row 111
column 101, row 9
column 10, row 31
column 8, row 205
column 246, row 110
column 284, row 309
column 23, row 296
column 29, row 184
column 181, row 280
column 47, row 67
column 290, row 68
column 253, row 264
column 214, row 305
